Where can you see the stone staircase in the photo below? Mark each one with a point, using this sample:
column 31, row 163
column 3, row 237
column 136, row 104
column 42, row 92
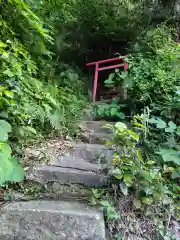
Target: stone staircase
column 61, row 218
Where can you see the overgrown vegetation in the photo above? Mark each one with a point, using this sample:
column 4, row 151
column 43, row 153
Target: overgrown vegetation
column 37, row 95
column 43, row 45
column 146, row 162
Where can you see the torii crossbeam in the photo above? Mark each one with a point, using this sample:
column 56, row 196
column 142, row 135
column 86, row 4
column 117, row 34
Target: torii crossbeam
column 101, row 68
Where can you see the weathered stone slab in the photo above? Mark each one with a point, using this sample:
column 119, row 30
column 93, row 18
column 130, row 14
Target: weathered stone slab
column 94, row 153
column 97, row 126
column 76, row 163
column 99, row 138
column 45, row 174
column 50, row 220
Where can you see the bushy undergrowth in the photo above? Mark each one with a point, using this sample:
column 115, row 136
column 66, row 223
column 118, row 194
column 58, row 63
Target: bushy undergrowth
column 38, row 94
column 146, row 163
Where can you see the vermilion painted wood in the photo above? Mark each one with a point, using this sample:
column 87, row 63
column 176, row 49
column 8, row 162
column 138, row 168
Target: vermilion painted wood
column 103, row 61
column 110, row 67
column 97, row 69
column 95, row 82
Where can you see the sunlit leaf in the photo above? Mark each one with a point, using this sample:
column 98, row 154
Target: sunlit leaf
column 8, row 73
column 113, row 111
column 5, row 125
column 147, row 200
column 124, row 188
column 171, row 127
column 159, row 122
column 121, row 115
column 9, row 94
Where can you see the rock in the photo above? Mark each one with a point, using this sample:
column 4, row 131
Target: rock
column 45, row 174
column 97, row 126
column 94, row 153
column 95, row 132
column 99, row 138
column 50, row 220
column 75, row 163
column 95, row 138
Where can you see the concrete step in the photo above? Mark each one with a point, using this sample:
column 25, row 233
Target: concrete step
column 50, row 220
column 89, row 157
column 96, row 126
column 75, row 162
column 66, row 175
column 96, row 138
column 93, row 153
column 95, row 132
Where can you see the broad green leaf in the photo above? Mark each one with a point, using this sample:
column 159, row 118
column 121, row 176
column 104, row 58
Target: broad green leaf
column 159, row 122
column 147, row 200
column 158, row 196
column 10, row 169
column 146, row 175
column 30, row 129
column 178, row 131
column 169, row 155
column 8, row 73
column 121, row 115
column 113, row 111
column 111, row 76
column 117, row 173
column 128, row 179
column 150, row 162
column 3, row 135
column 124, row 188
column 137, row 203
column 120, row 126
column 9, row 94
column 17, row 173
column 133, row 135
column 172, row 127
column 5, row 125
column 175, row 174
column 3, row 45
column 5, row 150
column 108, row 81
column 2, row 88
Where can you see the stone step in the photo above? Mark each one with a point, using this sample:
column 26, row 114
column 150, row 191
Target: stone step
column 96, row 138
column 50, row 220
column 75, row 162
column 95, row 132
column 93, row 153
column 66, row 175
column 89, row 157
column 96, row 126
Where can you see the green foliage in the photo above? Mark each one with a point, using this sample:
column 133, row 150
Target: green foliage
column 109, row 110
column 37, row 96
column 10, row 169
column 153, row 69
column 130, row 169
column 107, row 206
column 155, row 73
column 141, row 169
column 144, row 168
column 117, row 79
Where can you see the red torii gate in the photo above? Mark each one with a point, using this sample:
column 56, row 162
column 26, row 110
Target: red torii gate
column 98, row 68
